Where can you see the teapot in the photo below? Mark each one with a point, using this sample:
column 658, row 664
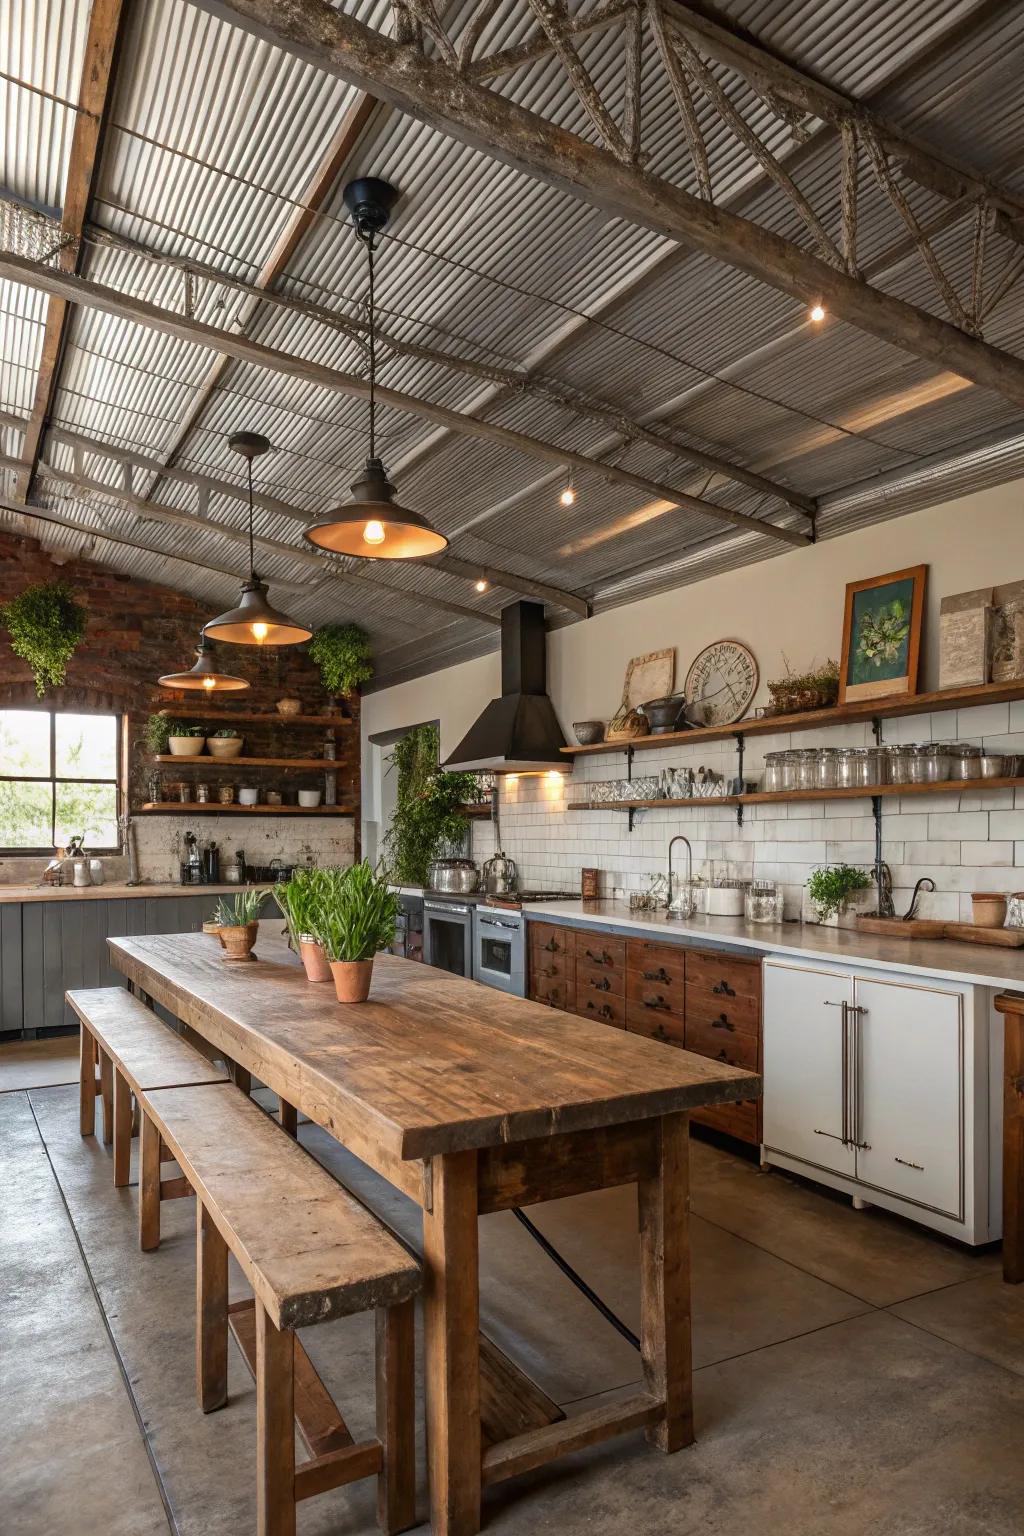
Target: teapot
column 500, row 875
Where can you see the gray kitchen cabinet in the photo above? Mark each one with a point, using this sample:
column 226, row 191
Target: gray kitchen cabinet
column 11, row 1010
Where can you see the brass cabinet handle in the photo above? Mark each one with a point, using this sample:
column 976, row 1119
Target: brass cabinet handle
column 659, row 975
column 723, row 989
column 722, row 1023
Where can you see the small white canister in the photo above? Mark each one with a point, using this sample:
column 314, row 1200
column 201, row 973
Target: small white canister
column 82, row 872
column 96, row 872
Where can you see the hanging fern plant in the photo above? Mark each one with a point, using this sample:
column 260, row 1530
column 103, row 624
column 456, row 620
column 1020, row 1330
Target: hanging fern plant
column 46, row 625
column 342, row 652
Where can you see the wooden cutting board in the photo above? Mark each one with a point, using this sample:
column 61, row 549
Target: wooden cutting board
column 1005, row 938
column 897, row 928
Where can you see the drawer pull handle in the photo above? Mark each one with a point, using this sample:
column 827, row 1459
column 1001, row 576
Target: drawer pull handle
column 602, row 959
column 723, row 989
column 604, row 1012
column 549, row 970
column 721, row 1023
column 907, row 1164
column 723, row 1055
column 657, row 1002
column 551, row 946
column 604, row 985
column 659, row 975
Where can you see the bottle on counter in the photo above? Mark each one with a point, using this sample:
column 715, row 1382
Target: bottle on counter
column 211, row 863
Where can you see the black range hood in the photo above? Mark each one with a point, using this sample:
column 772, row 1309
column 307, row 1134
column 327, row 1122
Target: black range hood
column 518, row 733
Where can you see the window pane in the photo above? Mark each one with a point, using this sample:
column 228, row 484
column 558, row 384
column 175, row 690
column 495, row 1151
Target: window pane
column 89, row 810
column 25, row 743
column 86, row 746
column 24, row 815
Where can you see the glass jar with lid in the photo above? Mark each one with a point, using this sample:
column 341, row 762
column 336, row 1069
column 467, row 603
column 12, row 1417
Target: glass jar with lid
column 773, row 772
column 964, row 760
column 854, row 768
column 874, row 772
column 763, row 902
column 893, row 764
column 826, row 770
column 806, row 760
column 787, row 761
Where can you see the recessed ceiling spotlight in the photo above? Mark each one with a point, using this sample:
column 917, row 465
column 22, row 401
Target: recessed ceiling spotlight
column 568, row 496
column 817, row 313
column 481, row 585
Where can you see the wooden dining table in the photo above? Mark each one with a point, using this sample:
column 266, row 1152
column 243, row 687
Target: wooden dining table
column 471, row 1101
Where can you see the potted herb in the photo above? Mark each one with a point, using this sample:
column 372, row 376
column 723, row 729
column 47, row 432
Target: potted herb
column 224, row 744
column 186, row 740
column 239, row 923
column 45, row 625
column 796, row 691
column 342, row 652
column 300, row 899
column 833, row 891
column 356, row 918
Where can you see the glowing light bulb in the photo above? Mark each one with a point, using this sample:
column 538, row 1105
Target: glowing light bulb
column 568, row 496
column 817, row 313
column 209, row 682
column 260, row 632
column 481, row 585
column 373, row 533
column 554, row 776
column 511, row 778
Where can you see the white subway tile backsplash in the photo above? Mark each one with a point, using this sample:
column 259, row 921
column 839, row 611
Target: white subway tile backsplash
column 978, row 854
column 1007, row 824
column 961, row 824
column 982, row 720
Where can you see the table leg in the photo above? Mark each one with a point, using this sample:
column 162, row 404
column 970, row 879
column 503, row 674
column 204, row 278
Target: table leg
column 665, row 1285
column 275, row 1427
column 451, row 1316
column 1013, row 1148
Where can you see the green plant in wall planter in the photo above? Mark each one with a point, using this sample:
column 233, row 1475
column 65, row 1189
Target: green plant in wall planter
column 429, row 805
column 830, row 891
column 342, row 652
column 46, row 626
column 159, row 729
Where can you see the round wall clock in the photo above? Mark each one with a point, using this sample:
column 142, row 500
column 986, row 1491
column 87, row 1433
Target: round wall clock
column 720, row 684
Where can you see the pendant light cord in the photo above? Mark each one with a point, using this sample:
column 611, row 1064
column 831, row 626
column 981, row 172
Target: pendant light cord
column 368, row 237
column 252, row 555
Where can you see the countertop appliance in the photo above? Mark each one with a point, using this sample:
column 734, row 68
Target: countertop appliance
column 499, row 948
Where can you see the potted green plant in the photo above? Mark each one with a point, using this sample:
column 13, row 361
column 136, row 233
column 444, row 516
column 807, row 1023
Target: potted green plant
column 832, row 894
column 430, row 806
column 158, row 734
column 356, row 918
column 342, row 652
column 226, row 743
column 299, row 899
column 186, row 740
column 239, row 925
column 46, row 626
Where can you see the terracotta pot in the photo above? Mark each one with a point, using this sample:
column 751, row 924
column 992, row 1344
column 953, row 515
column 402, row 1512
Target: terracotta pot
column 311, row 953
column 238, row 941
column 213, row 929
column 352, row 979
column 988, row 909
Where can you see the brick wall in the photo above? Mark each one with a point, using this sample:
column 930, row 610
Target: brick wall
column 135, row 631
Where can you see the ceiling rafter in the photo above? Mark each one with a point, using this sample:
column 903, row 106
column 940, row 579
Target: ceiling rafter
column 94, row 96
column 428, row 89
column 79, row 290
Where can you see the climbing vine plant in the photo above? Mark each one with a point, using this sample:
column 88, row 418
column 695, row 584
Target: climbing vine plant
column 429, row 806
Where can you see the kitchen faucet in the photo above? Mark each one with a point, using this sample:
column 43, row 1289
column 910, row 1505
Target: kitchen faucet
column 679, row 838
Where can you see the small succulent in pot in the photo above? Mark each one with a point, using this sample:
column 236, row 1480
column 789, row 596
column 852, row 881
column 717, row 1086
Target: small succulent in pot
column 226, row 743
column 239, row 923
column 186, row 740
column 300, row 899
column 357, row 918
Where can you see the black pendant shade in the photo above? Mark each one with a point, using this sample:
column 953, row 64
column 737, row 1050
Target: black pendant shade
column 255, row 621
column 374, row 526
column 204, row 676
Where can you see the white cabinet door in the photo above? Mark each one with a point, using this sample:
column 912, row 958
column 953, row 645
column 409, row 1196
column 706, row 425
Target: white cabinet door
column 803, row 1065
column 908, row 1054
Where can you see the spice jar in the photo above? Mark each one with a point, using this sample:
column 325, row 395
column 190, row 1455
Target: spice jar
column 185, row 791
column 226, row 794
column 763, row 902
column 826, row 772
column 773, row 773
column 787, row 762
column 964, row 761
column 894, row 764
column 202, row 794
column 854, row 768
column 806, row 768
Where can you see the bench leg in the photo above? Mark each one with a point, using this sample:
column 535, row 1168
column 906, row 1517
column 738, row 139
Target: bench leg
column 107, row 1095
column 396, row 1417
column 289, row 1118
column 86, row 1084
column 122, row 1130
column 665, row 1286
column 275, row 1427
column 149, row 1186
column 211, row 1313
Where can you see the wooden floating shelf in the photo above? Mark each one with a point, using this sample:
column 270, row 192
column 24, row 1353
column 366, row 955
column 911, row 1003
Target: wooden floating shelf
column 324, row 764
column 863, row 712
column 240, row 718
column 210, row 807
column 476, row 811
column 867, row 792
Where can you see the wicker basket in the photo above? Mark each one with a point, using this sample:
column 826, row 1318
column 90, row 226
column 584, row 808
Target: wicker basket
column 627, row 725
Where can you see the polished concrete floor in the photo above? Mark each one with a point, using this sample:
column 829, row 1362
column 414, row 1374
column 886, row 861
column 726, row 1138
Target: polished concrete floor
column 853, row 1375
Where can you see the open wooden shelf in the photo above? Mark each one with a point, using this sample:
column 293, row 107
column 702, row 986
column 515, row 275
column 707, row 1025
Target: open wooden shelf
column 652, row 805
column 214, row 808
column 322, row 764
column 477, row 812
column 862, row 712
column 238, row 717
column 867, row 792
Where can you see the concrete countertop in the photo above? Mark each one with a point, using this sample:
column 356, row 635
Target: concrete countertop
column 974, row 964
column 114, row 890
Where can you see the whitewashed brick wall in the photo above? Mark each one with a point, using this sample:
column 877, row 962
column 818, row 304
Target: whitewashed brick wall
column 965, row 842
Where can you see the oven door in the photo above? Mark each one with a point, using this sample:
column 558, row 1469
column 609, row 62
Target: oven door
column 448, row 936
column 499, row 958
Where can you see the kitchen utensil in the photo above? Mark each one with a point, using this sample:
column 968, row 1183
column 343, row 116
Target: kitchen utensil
column 964, row 761
column 309, row 798
column 763, row 902
column 902, row 927
column 454, row 877
column 926, row 883
column 499, row 875
column 993, row 765
column 664, row 714
column 202, row 794
column 723, row 901
column 988, row 909
column 248, row 795
column 184, row 792
column 588, row 732
column 1005, row 938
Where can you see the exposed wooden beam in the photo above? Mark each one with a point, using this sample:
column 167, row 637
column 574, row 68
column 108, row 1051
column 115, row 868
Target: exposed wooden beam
column 431, row 92
column 86, row 139
column 20, row 269
column 213, row 485
column 310, row 200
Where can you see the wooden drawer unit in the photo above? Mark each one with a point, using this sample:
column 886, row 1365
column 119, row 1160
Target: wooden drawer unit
column 592, row 982
column 548, row 967
column 722, row 1044
column 550, row 939
column 740, row 1120
column 598, row 951
column 557, row 992
column 605, row 1007
column 666, row 1027
column 663, row 963
column 654, row 996
column 724, row 978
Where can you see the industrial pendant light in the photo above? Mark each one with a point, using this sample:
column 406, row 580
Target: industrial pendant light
column 254, row 621
column 204, row 676
column 374, row 526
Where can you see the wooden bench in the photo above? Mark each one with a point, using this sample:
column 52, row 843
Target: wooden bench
column 134, row 1050
column 310, row 1252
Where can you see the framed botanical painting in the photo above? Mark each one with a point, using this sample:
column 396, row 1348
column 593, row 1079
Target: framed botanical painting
column 882, row 635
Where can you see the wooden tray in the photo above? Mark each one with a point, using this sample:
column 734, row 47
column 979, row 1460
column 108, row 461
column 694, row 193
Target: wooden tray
column 1005, row 938
column 897, row 928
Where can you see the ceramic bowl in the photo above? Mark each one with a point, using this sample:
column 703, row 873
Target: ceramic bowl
column 309, row 799
column 588, row 732
column 224, row 746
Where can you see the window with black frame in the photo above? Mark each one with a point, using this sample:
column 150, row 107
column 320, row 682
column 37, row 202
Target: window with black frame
column 59, row 777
